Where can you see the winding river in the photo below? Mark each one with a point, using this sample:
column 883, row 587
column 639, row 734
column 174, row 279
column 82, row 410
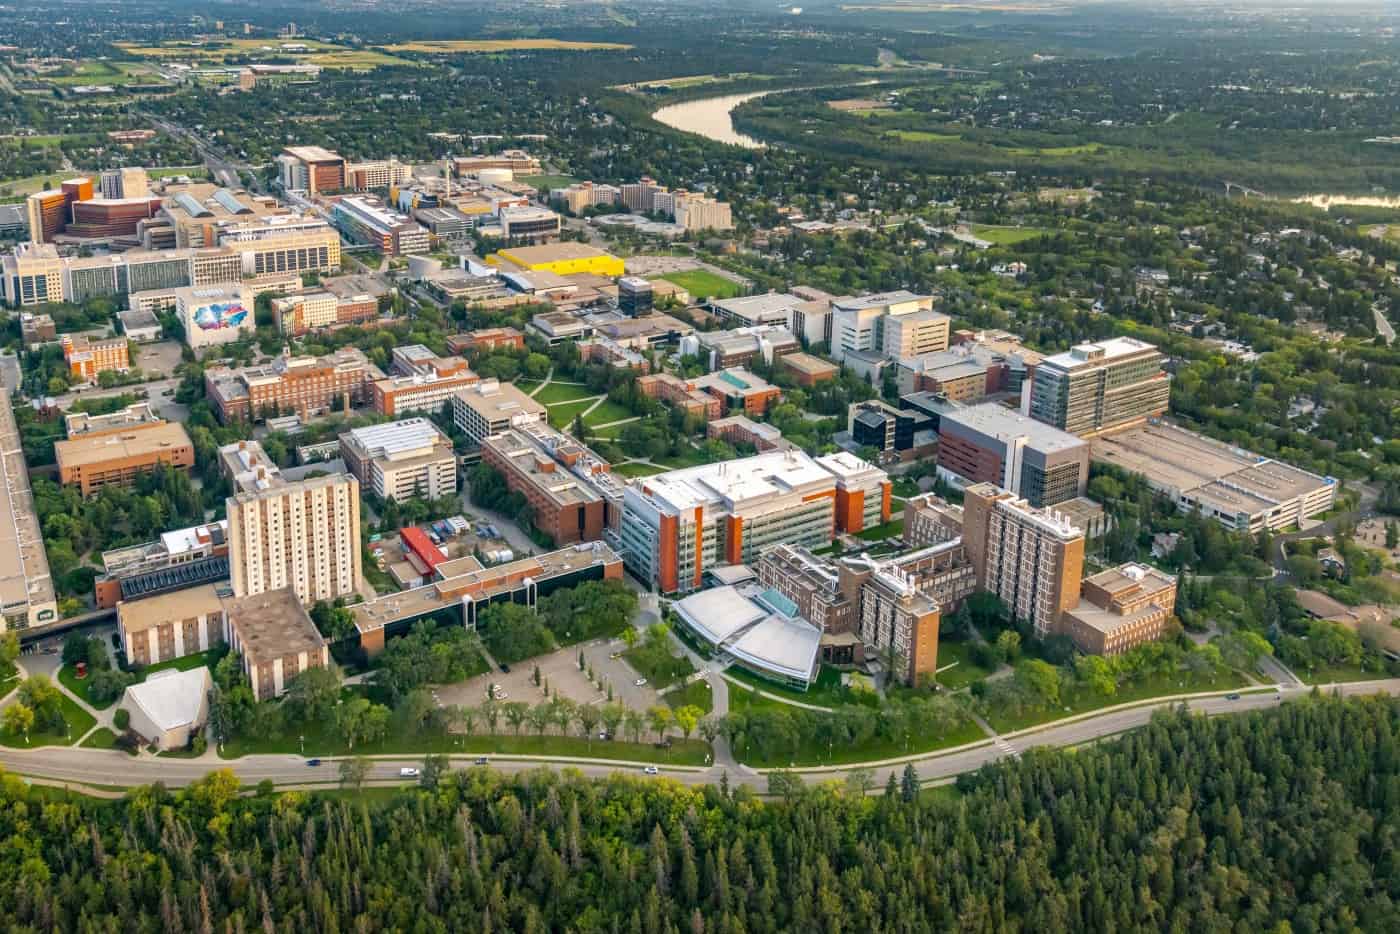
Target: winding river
column 710, row 117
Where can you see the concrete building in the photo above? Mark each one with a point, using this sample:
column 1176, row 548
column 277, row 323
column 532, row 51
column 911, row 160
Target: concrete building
column 47, row 212
column 298, row 314
column 491, row 407
column 740, row 390
column 171, row 625
column 1121, row 608
column 176, row 560
column 954, row 374
column 311, row 169
column 115, row 184
column 461, row 587
column 761, row 630
column 26, row 586
column 679, row 524
column 140, row 325
column 170, row 707
column 1032, row 559
column 135, row 416
column 807, row 370
column 1245, row 492
column 877, row 424
column 87, row 357
column 36, row 329
column 526, row 224
column 572, row 492
column 741, row 346
column 304, row 386
column 377, row 174
column 770, row 308
column 402, row 459
column 858, row 323
column 368, row 221
column 487, row 340
column 634, row 296
column 110, row 218
column 304, row 534
column 561, row 258
column 990, row 443
column 215, row 314
column 94, row 461
column 1093, row 388
column 32, row 275
column 275, row 638
column 914, row 334
column 700, row 213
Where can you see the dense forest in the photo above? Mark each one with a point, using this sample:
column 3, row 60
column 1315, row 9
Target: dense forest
column 1280, row 821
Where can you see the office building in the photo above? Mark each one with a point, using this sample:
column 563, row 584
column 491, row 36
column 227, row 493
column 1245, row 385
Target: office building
column 177, row 560
column 87, row 357
column 26, row 586
column 741, row 346
column 491, row 407
column 931, row 520
column 304, row 386
column 1018, row 359
column 608, row 352
column 92, row 461
column 770, row 308
column 990, row 443
column 740, row 390
column 461, row 587
column 311, row 169
column 399, row 395
column 862, row 492
column 445, row 223
column 215, row 314
column 195, row 215
column 679, row 524
column 634, row 296
column 47, row 213
column 1093, row 388
column 135, row 416
column 377, row 174
column 14, row 222
column 275, row 639
column 116, row 184
column 581, row 196
column 572, row 492
column 561, row 258
column 682, row 394
column 897, row 622
column 162, row 627
column 33, row 275
column 309, row 311
column 140, row 325
column 517, row 161
column 807, row 370
column 1032, row 559
column 526, row 224
column 741, row 430
column 304, row 534
column 1121, row 608
column 877, row 424
column 401, row 460
column 920, row 332
column 104, row 218
column 959, row 375
column 858, row 323
column 369, row 222
column 261, row 75
column 1245, row 492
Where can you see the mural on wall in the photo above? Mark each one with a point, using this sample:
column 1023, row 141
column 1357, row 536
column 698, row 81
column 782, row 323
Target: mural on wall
column 220, row 315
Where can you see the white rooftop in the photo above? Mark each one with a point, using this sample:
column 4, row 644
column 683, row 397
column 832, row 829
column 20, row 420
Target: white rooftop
column 783, row 645
column 771, row 474
column 393, row 439
column 720, row 612
column 1098, row 352
column 771, row 306
column 877, row 300
column 754, row 626
column 170, row 698
column 847, row 466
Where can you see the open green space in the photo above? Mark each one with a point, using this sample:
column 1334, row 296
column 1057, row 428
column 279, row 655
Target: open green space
column 562, row 415
column 608, row 431
column 68, row 677
column 746, row 701
column 527, row 386
column 100, row 738
column 875, row 533
column 958, row 652
column 701, row 283
column 563, row 392
column 1329, row 674
column 607, row 411
column 656, row 663
column 873, row 750
column 688, row 457
column 1006, row 236
column 826, row 691
column 1078, row 700
column 547, row 181
column 633, row 469
column 79, row 722
column 695, row 694
column 184, row 663
column 924, row 136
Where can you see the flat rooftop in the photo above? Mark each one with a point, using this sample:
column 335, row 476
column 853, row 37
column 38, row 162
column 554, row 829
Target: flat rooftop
column 1131, row 576
column 141, row 442
column 877, row 300
column 24, row 565
column 808, row 364
column 313, row 154
column 140, row 615
column 494, row 401
column 552, row 253
column 764, row 475
column 546, row 474
column 271, row 625
column 401, row 440
column 1098, row 353
column 997, row 421
column 756, row 307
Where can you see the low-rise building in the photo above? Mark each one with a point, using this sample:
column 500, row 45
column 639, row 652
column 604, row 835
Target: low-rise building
column 740, row 390
column 681, row 394
column 769, row 308
column 561, row 258
column 36, row 329
column 739, row 429
column 1121, row 608
column 740, row 347
column 305, row 386
column 808, row 370
column 87, row 357
column 215, row 314
column 490, row 407
column 275, row 639
column 94, row 461
column 169, row 707
column 174, row 561
column 172, row 624
column 486, row 340
column 26, row 585
column 140, row 325
column 402, row 459
column 760, row 629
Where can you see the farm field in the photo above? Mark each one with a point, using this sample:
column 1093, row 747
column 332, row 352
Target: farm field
column 325, row 54
column 453, row 46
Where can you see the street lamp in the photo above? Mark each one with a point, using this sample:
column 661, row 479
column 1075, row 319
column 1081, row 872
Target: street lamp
column 302, row 741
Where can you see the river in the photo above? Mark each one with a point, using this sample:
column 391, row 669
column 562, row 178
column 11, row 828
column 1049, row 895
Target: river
column 710, row 117
column 1371, row 201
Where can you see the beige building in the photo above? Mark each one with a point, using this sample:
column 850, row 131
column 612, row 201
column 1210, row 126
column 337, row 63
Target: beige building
column 930, row 520
column 303, row 534
column 215, row 314
column 401, row 459
column 491, row 406
column 275, row 638
column 913, row 335
column 169, row 707
column 299, row 313
column 32, row 275
column 700, row 213
column 1121, row 608
column 95, row 461
column 171, row 625
column 26, row 587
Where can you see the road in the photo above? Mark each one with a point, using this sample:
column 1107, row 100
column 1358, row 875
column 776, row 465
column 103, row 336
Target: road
column 222, row 168
column 1365, row 509
column 99, row 766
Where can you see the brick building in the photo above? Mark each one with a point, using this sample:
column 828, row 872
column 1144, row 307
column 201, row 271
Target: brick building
column 118, row 458
column 302, row 385
column 87, row 357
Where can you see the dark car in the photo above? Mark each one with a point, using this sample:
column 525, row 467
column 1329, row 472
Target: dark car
column 313, row 762
column 1232, row 697
column 505, row 668
column 482, row 760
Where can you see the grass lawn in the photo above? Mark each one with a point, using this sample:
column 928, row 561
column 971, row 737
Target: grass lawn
column 318, row 743
column 701, row 283
column 826, row 691
column 696, row 693
column 875, row 533
column 689, row 457
column 925, row 136
column 527, row 386
column 814, row 753
column 79, row 722
column 1077, row 701
column 658, row 665
column 636, row 470
column 548, row 181
column 1328, row 674
column 100, row 738
column 562, row 415
column 742, row 700
column 563, row 392
column 952, row 651
column 1006, row 236
column 610, row 432
column 185, row 663
column 79, row 686
column 607, row 411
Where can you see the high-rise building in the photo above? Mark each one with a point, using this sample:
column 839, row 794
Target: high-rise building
column 311, row 169
column 377, row 174
column 116, row 184
column 32, row 275
column 858, row 323
column 1092, row 388
column 701, row 213
column 304, row 534
column 634, row 296
column 48, row 214
column 1032, row 559
column 990, row 443
column 370, row 222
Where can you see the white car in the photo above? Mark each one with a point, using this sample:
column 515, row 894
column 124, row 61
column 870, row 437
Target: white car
column 640, row 682
column 408, row 772
column 652, row 770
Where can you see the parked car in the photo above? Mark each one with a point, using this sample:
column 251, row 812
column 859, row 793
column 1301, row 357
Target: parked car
column 640, row 682
column 408, row 771
column 505, row 668
column 482, row 760
column 1232, row 697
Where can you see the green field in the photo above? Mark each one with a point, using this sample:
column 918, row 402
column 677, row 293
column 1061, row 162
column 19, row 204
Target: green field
column 818, row 753
column 697, row 694
column 548, row 181
column 701, row 283
column 926, row 136
column 884, row 530
column 1330, row 674
column 1080, row 150
column 607, row 411
column 1077, row 700
column 636, row 470
column 959, row 652
column 826, row 691
column 563, row 392
column 1006, row 236
column 79, row 722
column 79, row 686
column 113, row 73
column 610, row 432
column 562, row 415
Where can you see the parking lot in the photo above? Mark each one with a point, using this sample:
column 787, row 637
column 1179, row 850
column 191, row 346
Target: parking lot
column 561, row 671
column 160, row 358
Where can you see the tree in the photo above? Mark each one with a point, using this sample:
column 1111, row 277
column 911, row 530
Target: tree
column 1009, row 645
column 860, row 781
column 349, row 720
column 435, row 768
column 687, row 718
column 909, row 784
column 588, row 717
column 612, row 716
column 1096, row 673
column 353, row 772
column 1041, row 679
column 18, row 719
column 659, row 718
column 313, row 694
column 9, row 650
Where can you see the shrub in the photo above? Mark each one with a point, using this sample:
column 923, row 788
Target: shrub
column 122, row 718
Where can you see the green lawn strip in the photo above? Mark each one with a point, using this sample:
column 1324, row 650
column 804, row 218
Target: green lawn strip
column 183, row 663
column 696, row 693
column 609, row 432
column 701, row 283
column 658, row 666
column 319, row 742
column 1006, row 236
column 607, row 411
column 826, row 691
column 68, row 677
column 548, row 181
column 690, row 457
column 1335, row 673
column 741, row 700
column 1079, row 700
column 177, row 754
column 562, row 416
column 563, row 392
column 100, row 738
column 884, row 530
column 79, row 722
column 812, row 752
column 966, row 672
column 527, row 386
column 636, row 470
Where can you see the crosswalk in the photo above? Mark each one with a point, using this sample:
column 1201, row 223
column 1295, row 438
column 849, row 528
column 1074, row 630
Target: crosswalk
column 1006, row 748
